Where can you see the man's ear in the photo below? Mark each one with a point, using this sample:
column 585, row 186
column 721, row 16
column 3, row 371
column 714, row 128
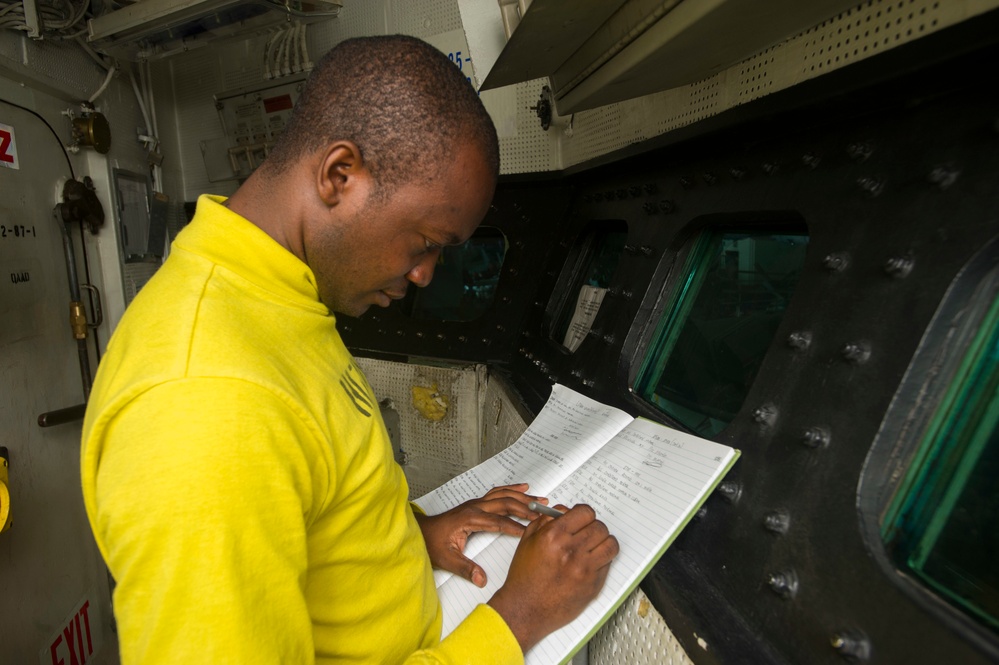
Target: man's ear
column 341, row 171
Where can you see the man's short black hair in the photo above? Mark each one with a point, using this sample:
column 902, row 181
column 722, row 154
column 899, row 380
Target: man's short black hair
column 400, row 100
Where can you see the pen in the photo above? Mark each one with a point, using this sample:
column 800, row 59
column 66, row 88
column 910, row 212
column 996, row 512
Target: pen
column 543, row 509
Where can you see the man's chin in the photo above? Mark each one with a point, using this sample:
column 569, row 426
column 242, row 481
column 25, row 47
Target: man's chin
column 359, row 307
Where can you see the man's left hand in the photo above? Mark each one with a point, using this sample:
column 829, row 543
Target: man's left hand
column 446, row 534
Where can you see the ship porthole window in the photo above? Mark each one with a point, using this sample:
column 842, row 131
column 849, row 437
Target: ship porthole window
column 937, row 522
column 586, row 277
column 464, row 282
column 722, row 311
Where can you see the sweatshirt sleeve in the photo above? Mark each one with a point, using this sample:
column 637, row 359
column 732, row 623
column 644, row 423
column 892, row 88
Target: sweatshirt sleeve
column 483, row 638
column 201, row 514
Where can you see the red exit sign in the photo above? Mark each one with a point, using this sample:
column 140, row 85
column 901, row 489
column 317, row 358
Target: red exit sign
column 77, row 640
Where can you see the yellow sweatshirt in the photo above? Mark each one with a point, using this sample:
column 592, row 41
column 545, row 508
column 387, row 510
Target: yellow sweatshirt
column 240, row 482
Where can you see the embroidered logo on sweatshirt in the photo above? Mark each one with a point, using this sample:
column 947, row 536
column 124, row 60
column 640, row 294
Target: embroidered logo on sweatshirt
column 353, row 385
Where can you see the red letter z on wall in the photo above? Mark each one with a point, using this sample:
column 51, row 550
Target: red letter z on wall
column 8, row 148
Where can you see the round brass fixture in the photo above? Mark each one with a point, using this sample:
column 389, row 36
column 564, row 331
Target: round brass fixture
column 93, row 130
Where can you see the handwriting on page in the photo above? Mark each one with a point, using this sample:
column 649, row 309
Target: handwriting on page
column 567, row 432
column 643, row 479
column 569, row 429
column 643, row 484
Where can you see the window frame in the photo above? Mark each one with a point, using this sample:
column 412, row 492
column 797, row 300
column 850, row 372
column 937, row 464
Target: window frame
column 576, row 265
column 676, row 280
column 914, row 415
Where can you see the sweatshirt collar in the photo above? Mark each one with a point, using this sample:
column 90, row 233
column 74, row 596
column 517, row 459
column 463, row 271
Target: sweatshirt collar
column 233, row 242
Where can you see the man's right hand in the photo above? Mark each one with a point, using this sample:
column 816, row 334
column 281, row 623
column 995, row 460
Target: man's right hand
column 560, row 566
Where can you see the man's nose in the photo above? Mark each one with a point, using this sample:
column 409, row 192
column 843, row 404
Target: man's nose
column 423, row 272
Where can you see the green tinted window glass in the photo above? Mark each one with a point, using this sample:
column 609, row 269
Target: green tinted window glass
column 465, row 279
column 587, row 277
column 943, row 526
column 711, row 339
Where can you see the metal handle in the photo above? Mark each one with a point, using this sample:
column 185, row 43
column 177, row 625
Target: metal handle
column 98, row 312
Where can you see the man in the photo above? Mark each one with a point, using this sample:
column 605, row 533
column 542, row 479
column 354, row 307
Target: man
column 236, row 472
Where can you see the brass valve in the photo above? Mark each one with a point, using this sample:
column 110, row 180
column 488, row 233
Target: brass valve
column 78, row 319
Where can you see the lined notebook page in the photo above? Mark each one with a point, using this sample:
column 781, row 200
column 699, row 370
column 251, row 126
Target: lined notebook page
column 644, row 485
column 567, row 432
column 644, row 480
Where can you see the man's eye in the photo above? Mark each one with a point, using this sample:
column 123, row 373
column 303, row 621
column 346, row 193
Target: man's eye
column 431, row 245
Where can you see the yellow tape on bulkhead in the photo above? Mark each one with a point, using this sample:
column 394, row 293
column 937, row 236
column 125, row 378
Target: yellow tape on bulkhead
column 4, row 497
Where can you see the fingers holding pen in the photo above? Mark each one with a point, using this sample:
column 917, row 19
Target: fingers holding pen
column 511, row 500
column 560, row 566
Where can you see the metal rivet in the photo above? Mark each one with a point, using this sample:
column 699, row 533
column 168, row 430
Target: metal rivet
column 944, row 176
column 777, row 522
column 810, row 159
column 873, row 186
column 710, row 178
column 635, row 191
column 380, row 331
column 783, row 583
column 730, row 490
column 486, row 341
column 816, row 437
column 649, row 208
column 666, row 206
column 686, row 182
column 500, row 327
column 856, row 352
column 770, row 168
column 899, row 266
column 419, row 334
column 462, row 339
column 646, row 250
column 737, row 173
column 651, row 188
column 701, row 513
column 627, row 295
column 860, row 151
column 588, row 383
column 799, row 340
column 766, row 415
column 622, row 194
column 441, row 336
column 836, row 262
column 400, row 333
column 631, row 249
column 853, row 646
column 608, row 339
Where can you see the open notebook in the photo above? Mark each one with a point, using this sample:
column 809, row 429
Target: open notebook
column 644, row 480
